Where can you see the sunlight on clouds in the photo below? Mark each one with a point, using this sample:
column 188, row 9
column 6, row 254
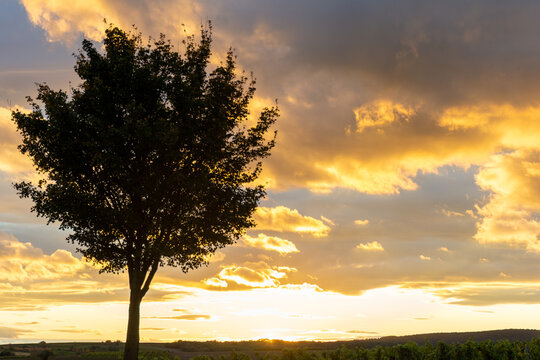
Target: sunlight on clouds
column 63, row 20
column 485, row 294
column 253, row 275
column 281, row 218
column 23, row 262
column 512, row 126
column 215, row 257
column 378, row 179
column 31, row 279
column 371, row 246
column 509, row 216
column 361, row 222
column 11, row 160
column 215, row 282
column 272, row 243
column 379, row 113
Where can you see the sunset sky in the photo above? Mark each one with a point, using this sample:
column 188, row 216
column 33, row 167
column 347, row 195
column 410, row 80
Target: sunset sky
column 403, row 192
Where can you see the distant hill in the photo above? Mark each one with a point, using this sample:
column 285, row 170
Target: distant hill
column 454, row 337
column 275, row 345
column 193, row 348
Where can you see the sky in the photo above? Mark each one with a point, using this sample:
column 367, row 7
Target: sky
column 403, row 195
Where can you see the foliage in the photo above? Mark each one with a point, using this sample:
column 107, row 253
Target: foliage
column 469, row 350
column 149, row 161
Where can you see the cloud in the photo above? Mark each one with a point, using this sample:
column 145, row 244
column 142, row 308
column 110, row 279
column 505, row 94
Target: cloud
column 490, row 294
column 11, row 160
column 423, row 257
column 361, row 222
column 75, row 330
column 272, row 243
column 12, row 333
column 64, row 20
column 509, row 215
column 371, row 246
column 380, row 113
column 283, row 219
column 376, row 99
column 31, row 279
column 182, row 317
column 451, row 213
column 21, row 262
column 251, row 275
column 361, row 332
column 216, row 257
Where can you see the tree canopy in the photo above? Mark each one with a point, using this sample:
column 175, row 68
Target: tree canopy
column 151, row 159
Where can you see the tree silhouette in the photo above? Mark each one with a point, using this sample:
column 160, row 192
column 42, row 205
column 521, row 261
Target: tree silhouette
column 149, row 161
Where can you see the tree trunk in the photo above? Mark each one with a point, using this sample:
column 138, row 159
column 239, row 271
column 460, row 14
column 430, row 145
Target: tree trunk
column 131, row 350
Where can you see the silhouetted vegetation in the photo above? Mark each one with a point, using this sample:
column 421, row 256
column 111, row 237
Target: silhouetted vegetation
column 277, row 345
column 150, row 161
column 283, row 350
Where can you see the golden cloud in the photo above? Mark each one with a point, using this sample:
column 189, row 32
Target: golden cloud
column 21, row 262
column 283, row 219
column 393, row 142
column 251, row 275
column 12, row 333
column 484, row 294
column 11, row 160
column 31, row 278
column 371, row 246
column 387, row 141
column 361, row 222
column 509, row 215
column 380, row 113
column 272, row 243
column 65, row 19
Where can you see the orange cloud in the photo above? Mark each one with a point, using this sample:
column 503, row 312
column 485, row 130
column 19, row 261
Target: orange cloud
column 380, row 113
column 283, row 219
column 509, row 215
column 361, row 222
column 252, row 275
column 29, row 278
column 272, row 243
column 484, row 294
column 22, row 262
column 371, row 246
column 389, row 144
column 11, row 160
column 64, row 19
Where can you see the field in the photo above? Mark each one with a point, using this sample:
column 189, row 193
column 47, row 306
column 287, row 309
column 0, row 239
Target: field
column 525, row 344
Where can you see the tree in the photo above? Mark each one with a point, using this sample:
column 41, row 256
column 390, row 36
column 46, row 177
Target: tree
column 149, row 161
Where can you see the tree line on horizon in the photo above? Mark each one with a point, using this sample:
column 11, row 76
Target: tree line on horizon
column 469, row 350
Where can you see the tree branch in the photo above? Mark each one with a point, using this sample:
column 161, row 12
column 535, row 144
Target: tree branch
column 150, row 276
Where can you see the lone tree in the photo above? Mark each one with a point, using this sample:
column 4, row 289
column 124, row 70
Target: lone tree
column 149, row 161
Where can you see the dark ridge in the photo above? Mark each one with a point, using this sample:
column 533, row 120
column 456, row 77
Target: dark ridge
column 454, row 337
column 433, row 338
